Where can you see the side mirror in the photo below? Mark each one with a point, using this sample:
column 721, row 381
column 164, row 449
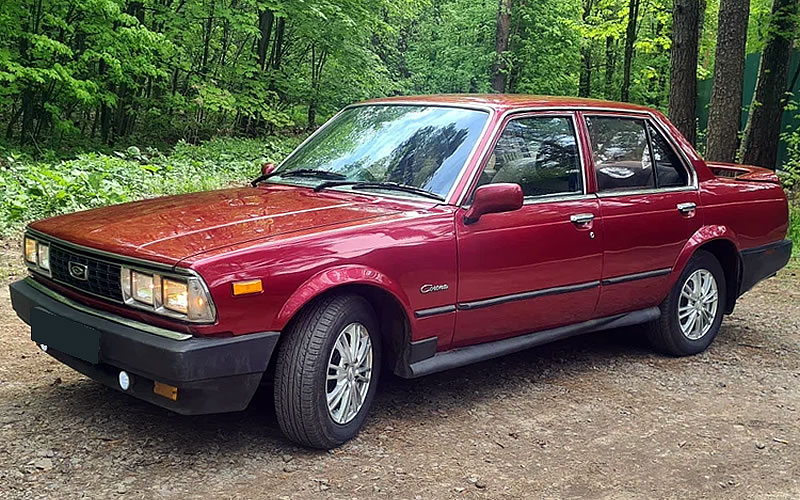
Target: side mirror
column 267, row 168
column 492, row 199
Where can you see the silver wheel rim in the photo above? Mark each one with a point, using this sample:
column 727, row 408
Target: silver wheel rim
column 697, row 307
column 349, row 373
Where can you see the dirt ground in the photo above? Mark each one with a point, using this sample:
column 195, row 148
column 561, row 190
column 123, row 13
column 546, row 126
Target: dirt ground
column 599, row 416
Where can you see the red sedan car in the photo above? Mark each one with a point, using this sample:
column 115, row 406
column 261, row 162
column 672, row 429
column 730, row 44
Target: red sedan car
column 409, row 235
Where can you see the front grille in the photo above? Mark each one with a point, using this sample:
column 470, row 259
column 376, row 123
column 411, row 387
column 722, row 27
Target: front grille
column 102, row 277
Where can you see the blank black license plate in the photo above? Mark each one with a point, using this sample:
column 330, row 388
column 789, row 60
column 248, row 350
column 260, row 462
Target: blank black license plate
column 65, row 335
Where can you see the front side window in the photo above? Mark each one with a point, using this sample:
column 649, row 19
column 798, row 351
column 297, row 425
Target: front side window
column 414, row 145
column 621, row 153
column 538, row 153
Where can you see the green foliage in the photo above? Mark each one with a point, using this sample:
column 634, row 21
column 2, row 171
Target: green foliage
column 36, row 189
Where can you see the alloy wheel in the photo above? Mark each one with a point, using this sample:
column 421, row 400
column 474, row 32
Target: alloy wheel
column 698, row 303
column 349, row 373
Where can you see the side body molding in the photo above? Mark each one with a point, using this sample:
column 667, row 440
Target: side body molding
column 334, row 277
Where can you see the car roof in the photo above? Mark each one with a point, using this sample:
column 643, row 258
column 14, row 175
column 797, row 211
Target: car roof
column 504, row 102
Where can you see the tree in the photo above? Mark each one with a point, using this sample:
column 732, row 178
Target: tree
column 761, row 135
column 503, row 30
column 585, row 86
column 683, row 67
column 630, row 39
column 725, row 108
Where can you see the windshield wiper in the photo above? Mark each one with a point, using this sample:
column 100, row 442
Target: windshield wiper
column 388, row 185
column 300, row 172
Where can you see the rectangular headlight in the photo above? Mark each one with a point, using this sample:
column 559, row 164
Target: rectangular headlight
column 143, row 287
column 43, row 255
column 176, row 295
column 30, row 250
column 180, row 297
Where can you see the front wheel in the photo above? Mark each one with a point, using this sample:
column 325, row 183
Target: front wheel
column 327, row 371
column 691, row 314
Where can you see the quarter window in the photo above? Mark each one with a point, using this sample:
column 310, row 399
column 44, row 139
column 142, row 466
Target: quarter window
column 669, row 169
column 538, row 153
column 621, row 153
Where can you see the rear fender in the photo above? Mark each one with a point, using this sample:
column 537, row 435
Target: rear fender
column 701, row 237
column 334, row 277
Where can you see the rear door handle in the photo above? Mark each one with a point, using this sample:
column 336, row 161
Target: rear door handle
column 686, row 208
column 581, row 219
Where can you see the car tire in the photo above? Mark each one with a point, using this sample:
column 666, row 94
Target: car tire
column 323, row 335
column 674, row 332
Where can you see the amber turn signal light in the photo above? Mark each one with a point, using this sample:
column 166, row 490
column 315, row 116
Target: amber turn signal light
column 165, row 390
column 247, row 287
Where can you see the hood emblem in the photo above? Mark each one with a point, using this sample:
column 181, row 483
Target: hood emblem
column 78, row 271
column 428, row 288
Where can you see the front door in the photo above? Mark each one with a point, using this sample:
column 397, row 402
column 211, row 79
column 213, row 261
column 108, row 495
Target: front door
column 648, row 205
column 538, row 267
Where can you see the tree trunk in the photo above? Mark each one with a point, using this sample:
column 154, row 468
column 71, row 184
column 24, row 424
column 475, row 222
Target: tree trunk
column 499, row 68
column 683, row 67
column 585, row 82
column 277, row 47
column 610, row 67
column 725, row 109
column 265, row 20
column 760, row 143
column 630, row 39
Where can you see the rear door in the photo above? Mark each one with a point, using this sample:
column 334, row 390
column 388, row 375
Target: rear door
column 648, row 199
column 537, row 267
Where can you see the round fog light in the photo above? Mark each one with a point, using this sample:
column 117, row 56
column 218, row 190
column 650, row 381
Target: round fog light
column 43, row 347
column 124, row 380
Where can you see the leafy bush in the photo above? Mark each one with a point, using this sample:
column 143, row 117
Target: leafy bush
column 37, row 189
column 794, row 227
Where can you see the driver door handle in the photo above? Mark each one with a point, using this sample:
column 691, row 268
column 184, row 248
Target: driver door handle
column 581, row 219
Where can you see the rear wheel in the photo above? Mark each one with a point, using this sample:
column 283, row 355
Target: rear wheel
column 691, row 314
column 327, row 371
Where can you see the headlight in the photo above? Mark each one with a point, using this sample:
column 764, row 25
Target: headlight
column 37, row 255
column 143, row 287
column 178, row 297
column 44, row 255
column 30, row 250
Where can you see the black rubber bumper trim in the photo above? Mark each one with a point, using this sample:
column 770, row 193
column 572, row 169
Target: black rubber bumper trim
column 477, row 304
column 636, row 276
column 433, row 311
column 191, row 363
column 762, row 262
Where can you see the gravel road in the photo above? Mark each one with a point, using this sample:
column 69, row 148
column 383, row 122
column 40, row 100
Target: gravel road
column 599, row 416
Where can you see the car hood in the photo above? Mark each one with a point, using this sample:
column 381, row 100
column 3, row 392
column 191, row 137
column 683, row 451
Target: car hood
column 172, row 228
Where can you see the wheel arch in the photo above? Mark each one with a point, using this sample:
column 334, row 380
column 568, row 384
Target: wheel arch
column 720, row 241
column 384, row 295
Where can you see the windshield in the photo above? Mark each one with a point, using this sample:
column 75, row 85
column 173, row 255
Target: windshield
column 420, row 146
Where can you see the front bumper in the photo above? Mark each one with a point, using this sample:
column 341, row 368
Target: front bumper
column 213, row 375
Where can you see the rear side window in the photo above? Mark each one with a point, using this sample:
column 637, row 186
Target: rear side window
column 621, row 153
column 670, row 171
column 538, row 153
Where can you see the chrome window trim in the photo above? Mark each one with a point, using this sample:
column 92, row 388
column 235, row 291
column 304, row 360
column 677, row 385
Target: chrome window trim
column 651, row 119
column 538, row 200
column 531, row 113
column 162, row 332
column 135, row 264
column 448, row 198
column 584, row 110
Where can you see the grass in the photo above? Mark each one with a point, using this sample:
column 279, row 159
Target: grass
column 34, row 189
